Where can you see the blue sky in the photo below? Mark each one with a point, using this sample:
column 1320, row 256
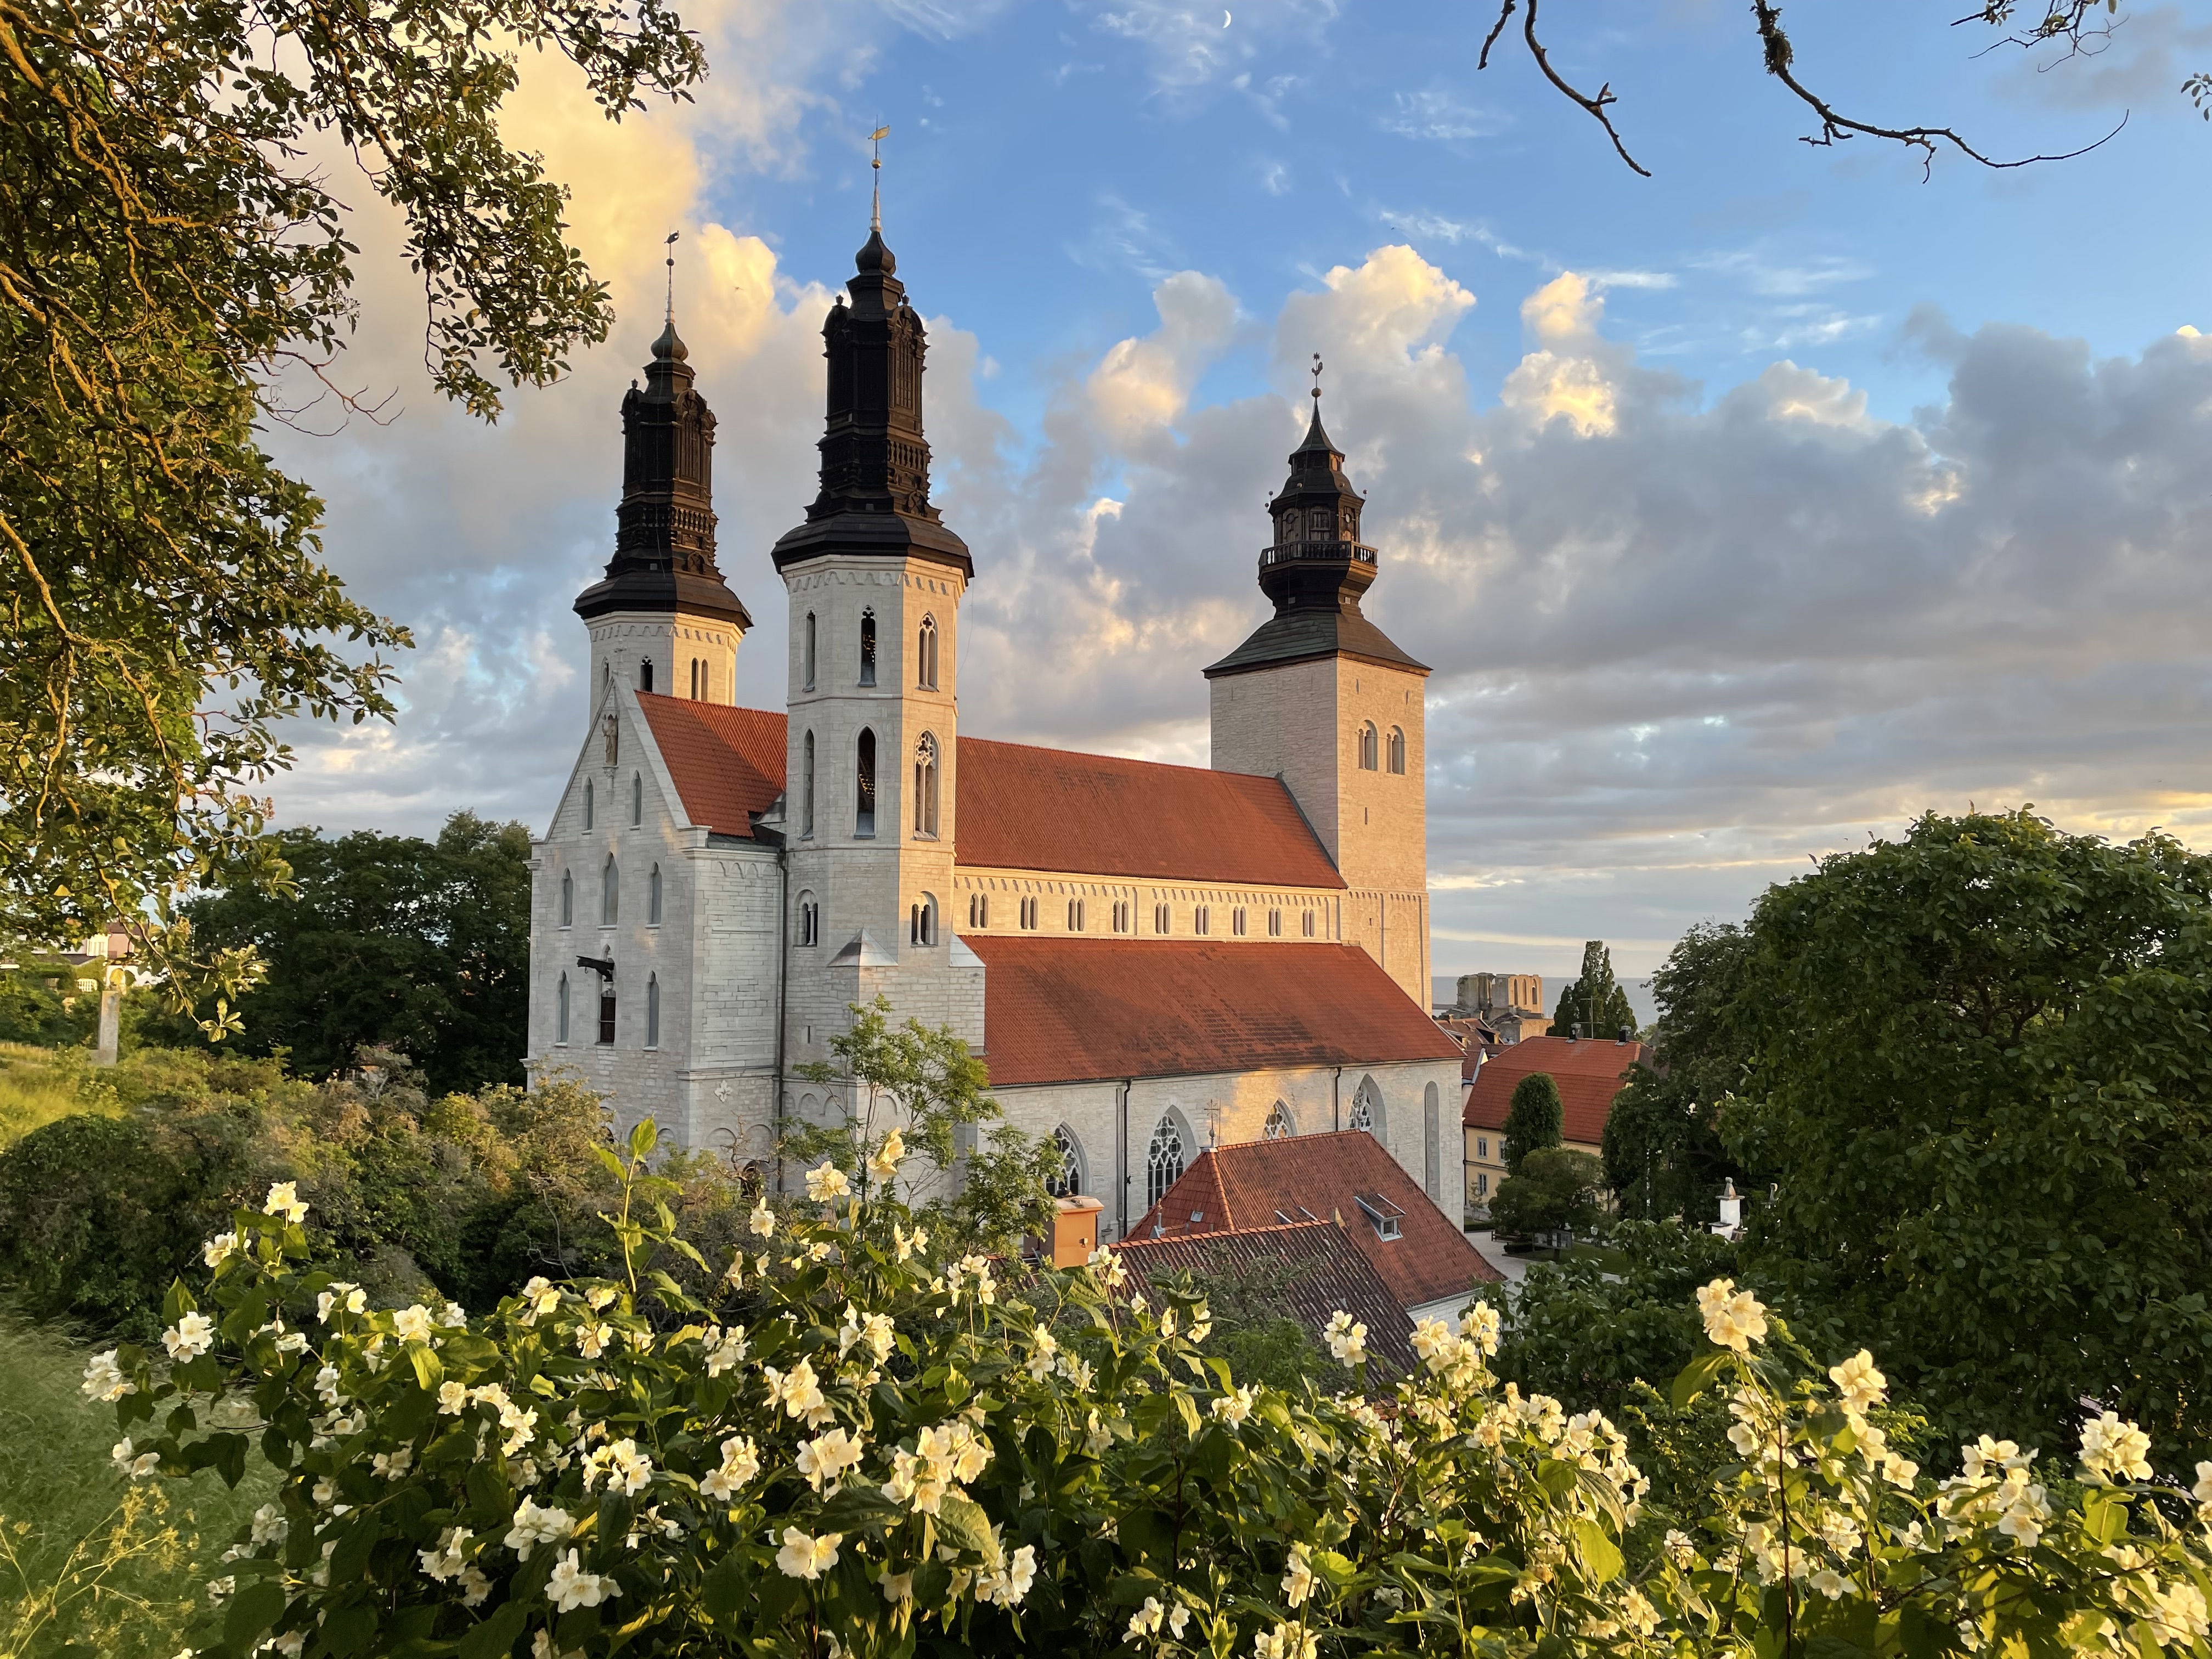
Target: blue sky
column 1744, row 510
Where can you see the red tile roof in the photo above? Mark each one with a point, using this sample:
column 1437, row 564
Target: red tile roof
column 1268, row 1183
column 1313, row 1266
column 1066, row 1010
column 1050, row 809
column 727, row 763
column 1590, row 1074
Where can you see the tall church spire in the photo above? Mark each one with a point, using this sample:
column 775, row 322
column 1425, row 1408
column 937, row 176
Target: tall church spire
column 665, row 525
column 874, row 495
column 1315, row 567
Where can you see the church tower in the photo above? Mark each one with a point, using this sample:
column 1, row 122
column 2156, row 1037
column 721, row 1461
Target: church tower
column 663, row 619
column 1319, row 697
column 875, row 581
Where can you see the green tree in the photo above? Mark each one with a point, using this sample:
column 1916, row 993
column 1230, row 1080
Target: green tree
column 1594, row 999
column 1663, row 1154
column 1533, row 1119
column 1983, row 1070
column 174, row 269
column 1555, row 1189
column 40, row 1002
column 388, row 942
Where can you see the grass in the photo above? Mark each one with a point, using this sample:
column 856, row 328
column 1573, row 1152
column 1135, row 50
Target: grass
column 38, row 1085
column 90, row 1563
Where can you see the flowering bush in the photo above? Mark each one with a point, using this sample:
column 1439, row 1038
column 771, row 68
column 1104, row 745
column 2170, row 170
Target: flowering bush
column 894, row 1452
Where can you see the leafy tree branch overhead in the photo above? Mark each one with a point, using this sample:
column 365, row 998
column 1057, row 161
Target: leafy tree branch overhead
column 2079, row 26
column 166, row 248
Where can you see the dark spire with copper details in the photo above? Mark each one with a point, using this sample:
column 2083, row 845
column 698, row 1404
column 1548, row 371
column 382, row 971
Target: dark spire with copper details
column 664, row 527
column 1317, row 568
column 874, row 496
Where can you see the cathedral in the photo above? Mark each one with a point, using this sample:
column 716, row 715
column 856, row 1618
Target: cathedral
column 1150, row 959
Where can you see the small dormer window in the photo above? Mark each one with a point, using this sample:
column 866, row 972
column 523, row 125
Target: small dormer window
column 1382, row 1214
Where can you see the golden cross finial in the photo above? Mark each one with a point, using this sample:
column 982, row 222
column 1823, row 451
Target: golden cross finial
column 670, row 245
column 875, row 212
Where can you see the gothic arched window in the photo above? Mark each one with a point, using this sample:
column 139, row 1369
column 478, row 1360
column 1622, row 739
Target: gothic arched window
column 924, row 786
column 587, row 803
column 636, row 800
column 568, row 900
column 1431, row 1144
column 1067, row 1180
column 610, row 894
column 1279, row 1126
column 561, row 1011
column 653, row 1011
column 809, row 920
column 806, row 786
column 653, row 898
column 1367, row 1107
column 864, row 780
column 1398, row 750
column 867, row 648
column 807, row 655
column 924, row 655
column 1367, row 757
column 1163, row 1160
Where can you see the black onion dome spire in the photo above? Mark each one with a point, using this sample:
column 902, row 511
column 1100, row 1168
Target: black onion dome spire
column 874, row 495
column 1316, row 567
column 664, row 527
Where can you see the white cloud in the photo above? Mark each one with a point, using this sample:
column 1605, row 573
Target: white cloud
column 1435, row 114
column 1192, row 44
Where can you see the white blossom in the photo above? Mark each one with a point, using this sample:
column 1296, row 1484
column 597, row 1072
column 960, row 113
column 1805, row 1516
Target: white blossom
column 1734, row 1319
column 191, row 1336
column 284, row 1200
column 104, row 1380
column 534, row 1525
column 804, row 1556
column 2114, row 1448
column 826, row 1182
column 571, row 1587
column 740, row 1464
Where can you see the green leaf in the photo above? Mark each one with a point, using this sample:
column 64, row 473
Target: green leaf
column 1696, row 1376
column 723, row 1591
column 644, row 1136
column 428, row 1370
column 497, row 1636
column 253, row 1610
column 964, row 1524
column 1600, row 1553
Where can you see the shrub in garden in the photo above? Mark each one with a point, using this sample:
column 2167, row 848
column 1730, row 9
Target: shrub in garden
column 848, row 1443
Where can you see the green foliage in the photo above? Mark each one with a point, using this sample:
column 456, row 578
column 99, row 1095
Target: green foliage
column 39, row 1085
column 1982, row 1072
column 465, row 1195
column 1254, row 1328
column 1533, row 1116
column 1594, row 999
column 1555, row 1189
column 177, row 270
column 926, row 1085
column 389, row 942
column 85, row 1567
column 1663, row 1154
column 41, row 1002
column 893, row 1452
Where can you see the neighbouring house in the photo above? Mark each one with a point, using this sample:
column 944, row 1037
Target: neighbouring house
column 1590, row 1073
column 1148, row 958
column 1346, row 1181
column 1316, row 1264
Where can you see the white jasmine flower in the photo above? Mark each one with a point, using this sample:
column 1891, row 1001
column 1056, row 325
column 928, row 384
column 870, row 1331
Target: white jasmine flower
column 1857, row 1380
column 534, row 1525
column 826, row 1182
column 804, row 1555
column 598, row 1297
column 219, row 1249
column 190, row 1337
column 740, row 1463
column 1299, row 1578
column 412, row 1324
column 570, row 1587
column 1005, row 1586
column 270, row 1526
column 897, row 1587
column 1285, row 1642
column 341, row 1298
column 723, row 1349
column 1111, row 1271
column 592, row 1340
column 1734, row 1319
column 1234, row 1407
column 1479, row 1325
column 2114, row 1448
column 873, row 1329
column 1347, row 1339
column 798, row 1391
column 452, row 1316
column 826, row 1457
column 908, row 1243
column 624, row 1468
column 1146, row 1620
column 451, row 1398
column 761, row 1221
column 446, row 1562
column 104, row 1381
column 884, row 1161
column 2178, row 1615
column 284, row 1200
column 130, row 1461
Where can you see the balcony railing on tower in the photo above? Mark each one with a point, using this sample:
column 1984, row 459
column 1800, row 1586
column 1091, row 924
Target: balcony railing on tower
column 1284, row 552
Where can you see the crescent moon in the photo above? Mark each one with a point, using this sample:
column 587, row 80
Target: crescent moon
column 1225, row 20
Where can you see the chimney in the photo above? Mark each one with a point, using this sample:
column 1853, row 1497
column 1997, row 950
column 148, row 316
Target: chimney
column 1074, row 1230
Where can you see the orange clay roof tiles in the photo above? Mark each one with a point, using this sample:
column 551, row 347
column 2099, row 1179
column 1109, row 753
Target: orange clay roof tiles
column 1063, row 1010
column 1268, row 1183
column 1050, row 809
column 727, row 763
column 1590, row 1074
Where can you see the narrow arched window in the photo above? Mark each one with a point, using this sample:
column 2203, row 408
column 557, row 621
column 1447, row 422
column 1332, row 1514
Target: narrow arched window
column 587, row 803
column 636, row 800
column 807, row 655
column 1162, row 918
column 864, row 780
column 1274, row 924
column 925, row 654
column 1431, row 1141
column 560, row 1012
column 867, row 648
column 694, row 679
column 1367, row 747
column 1202, row 921
column 1309, row 924
column 1164, row 1161
column 922, row 923
column 1398, row 750
column 568, row 900
column 1067, row 1180
column 924, row 786
column 1279, row 1123
column 653, row 897
column 809, row 920
column 607, row 1011
column 645, row 675
column 806, row 783
column 1367, row 1107
column 610, row 894
column 653, row 1011
column 1075, row 915
column 979, row 910
column 1237, row 921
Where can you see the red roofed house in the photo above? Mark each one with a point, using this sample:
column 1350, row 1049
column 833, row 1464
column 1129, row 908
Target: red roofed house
column 1590, row 1074
column 1150, row 959
column 1344, row 1178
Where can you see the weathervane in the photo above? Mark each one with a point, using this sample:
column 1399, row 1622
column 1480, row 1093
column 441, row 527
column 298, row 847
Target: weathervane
column 670, row 245
column 1315, row 372
column 875, row 212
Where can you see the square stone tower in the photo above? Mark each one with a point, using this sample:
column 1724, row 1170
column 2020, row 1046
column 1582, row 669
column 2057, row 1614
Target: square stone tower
column 1319, row 697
